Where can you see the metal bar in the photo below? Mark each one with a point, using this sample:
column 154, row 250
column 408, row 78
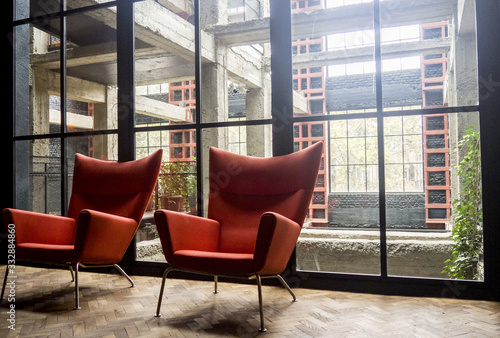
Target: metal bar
column 380, row 138
column 261, row 310
column 281, row 77
column 160, row 296
column 126, row 86
column 77, row 290
column 216, row 281
column 199, row 95
column 63, row 108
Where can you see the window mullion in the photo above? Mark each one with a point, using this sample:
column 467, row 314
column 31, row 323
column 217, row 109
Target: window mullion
column 380, row 138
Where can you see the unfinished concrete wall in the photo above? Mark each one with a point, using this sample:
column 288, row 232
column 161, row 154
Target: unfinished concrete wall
column 409, row 254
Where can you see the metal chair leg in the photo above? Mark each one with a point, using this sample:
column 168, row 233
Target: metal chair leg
column 287, row 287
column 77, row 290
column 72, row 274
column 124, row 274
column 216, row 279
column 259, row 288
column 160, row 296
column 4, row 282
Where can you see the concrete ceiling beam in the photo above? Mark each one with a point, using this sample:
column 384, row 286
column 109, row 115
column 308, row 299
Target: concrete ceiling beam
column 158, row 109
column 364, row 54
column 328, row 21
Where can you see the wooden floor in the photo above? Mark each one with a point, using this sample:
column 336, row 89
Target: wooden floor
column 111, row 308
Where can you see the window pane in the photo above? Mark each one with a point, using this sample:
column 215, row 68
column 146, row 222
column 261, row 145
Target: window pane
column 91, row 71
column 336, row 244
column 37, row 86
column 236, row 79
column 33, row 8
column 425, row 200
column 337, row 81
column 357, row 151
column 164, row 66
column 91, row 97
column 177, row 186
column 38, row 175
column 426, row 60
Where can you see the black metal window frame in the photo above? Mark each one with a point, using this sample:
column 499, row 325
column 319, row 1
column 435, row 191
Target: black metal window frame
column 282, row 121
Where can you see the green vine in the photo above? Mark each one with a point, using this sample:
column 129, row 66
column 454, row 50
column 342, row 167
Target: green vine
column 467, row 232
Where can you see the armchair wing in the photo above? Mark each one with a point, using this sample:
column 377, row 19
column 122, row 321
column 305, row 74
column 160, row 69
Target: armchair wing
column 33, row 227
column 276, row 241
column 103, row 238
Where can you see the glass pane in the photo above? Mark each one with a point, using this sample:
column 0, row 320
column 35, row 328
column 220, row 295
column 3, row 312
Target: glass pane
column 434, row 199
column 72, row 4
column 37, row 86
column 31, row 8
column 164, row 65
column 428, row 56
column 38, row 175
column 333, row 62
column 91, row 75
column 91, row 71
column 177, row 186
column 236, row 76
column 346, row 238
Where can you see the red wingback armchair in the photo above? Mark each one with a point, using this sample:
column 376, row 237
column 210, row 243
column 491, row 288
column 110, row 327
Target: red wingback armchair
column 256, row 210
column 107, row 203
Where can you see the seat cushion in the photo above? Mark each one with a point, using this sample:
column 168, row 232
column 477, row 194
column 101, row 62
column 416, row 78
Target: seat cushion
column 46, row 253
column 222, row 263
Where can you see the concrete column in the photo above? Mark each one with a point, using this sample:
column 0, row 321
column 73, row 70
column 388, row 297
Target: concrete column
column 106, row 117
column 214, row 108
column 463, row 87
column 39, row 120
column 258, row 106
column 213, row 12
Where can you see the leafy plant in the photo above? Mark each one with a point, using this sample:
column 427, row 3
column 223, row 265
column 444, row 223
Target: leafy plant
column 467, row 232
column 177, row 178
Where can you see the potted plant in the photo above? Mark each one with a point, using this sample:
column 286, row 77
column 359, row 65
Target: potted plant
column 177, row 186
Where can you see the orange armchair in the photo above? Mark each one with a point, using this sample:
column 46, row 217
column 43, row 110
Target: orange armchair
column 107, row 203
column 256, row 210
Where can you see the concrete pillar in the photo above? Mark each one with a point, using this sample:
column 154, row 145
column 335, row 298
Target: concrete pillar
column 39, row 149
column 106, row 117
column 214, row 109
column 213, row 12
column 258, row 106
column 462, row 84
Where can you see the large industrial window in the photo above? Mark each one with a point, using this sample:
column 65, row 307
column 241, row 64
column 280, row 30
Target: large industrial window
column 394, row 90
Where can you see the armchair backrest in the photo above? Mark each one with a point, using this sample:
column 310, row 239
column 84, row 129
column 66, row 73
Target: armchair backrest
column 242, row 188
column 122, row 189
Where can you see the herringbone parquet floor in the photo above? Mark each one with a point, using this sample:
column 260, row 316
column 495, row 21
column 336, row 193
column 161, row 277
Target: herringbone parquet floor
column 111, row 308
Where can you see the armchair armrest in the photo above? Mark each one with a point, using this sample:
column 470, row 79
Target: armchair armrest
column 276, row 240
column 179, row 231
column 34, row 227
column 103, row 238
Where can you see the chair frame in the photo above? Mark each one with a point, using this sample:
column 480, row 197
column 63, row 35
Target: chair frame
column 257, row 277
column 74, row 269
